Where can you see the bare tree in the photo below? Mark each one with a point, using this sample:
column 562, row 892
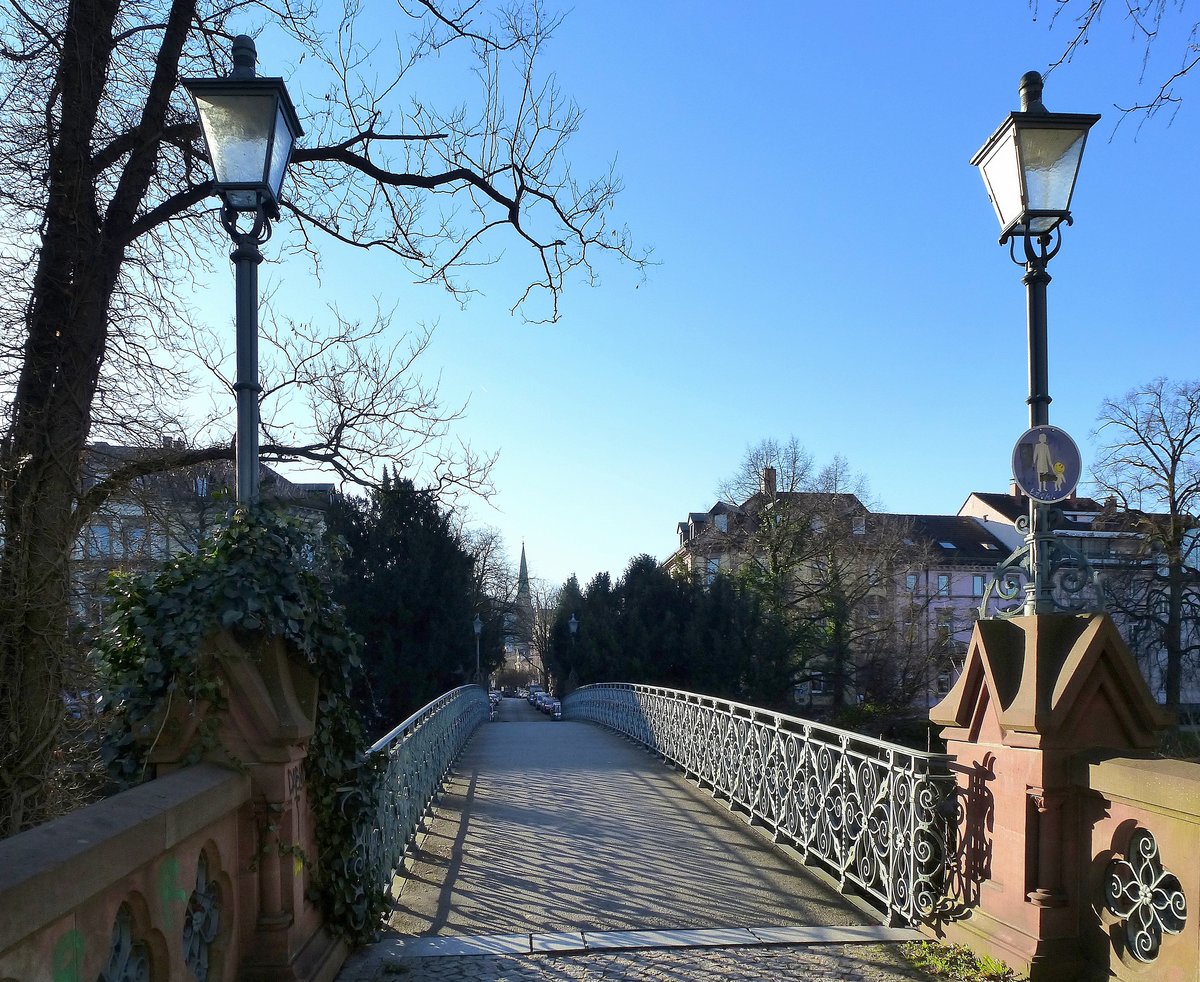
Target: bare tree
column 545, row 608
column 1148, row 441
column 1152, row 24
column 104, row 181
column 808, row 546
column 495, row 578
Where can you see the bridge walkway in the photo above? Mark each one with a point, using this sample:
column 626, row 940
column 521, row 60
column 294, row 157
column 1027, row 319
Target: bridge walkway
column 560, row 851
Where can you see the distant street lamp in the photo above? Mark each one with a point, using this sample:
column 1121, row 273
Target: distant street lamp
column 573, row 624
column 249, row 127
column 478, row 625
column 1029, row 167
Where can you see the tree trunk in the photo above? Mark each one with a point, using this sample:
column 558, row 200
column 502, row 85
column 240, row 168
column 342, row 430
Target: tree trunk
column 67, row 323
column 1173, row 640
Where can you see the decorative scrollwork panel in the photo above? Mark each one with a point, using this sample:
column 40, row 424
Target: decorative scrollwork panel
column 202, row 921
column 869, row 810
column 1146, row 896
column 418, row 754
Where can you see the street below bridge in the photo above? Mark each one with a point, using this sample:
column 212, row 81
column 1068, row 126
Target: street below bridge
column 560, row 851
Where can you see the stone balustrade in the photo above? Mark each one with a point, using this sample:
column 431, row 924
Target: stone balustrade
column 142, row 885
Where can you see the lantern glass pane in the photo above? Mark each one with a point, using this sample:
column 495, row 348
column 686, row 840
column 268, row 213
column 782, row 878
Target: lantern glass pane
column 237, row 128
column 1002, row 177
column 281, row 150
column 1051, row 161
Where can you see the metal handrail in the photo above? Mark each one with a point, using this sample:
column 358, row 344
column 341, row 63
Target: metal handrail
column 870, row 811
column 419, row 752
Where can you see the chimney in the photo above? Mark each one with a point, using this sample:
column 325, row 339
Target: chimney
column 768, row 481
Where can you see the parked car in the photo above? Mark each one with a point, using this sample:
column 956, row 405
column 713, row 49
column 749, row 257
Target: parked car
column 534, row 689
column 554, row 708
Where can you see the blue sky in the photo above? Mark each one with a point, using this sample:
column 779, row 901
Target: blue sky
column 827, row 266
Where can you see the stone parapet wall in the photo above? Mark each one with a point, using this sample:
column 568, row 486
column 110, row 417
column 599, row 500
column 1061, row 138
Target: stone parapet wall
column 203, row 873
column 149, row 876
column 1050, row 726
column 1139, row 820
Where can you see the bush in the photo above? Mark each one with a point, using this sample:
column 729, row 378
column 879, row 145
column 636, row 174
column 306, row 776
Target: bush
column 253, row 579
column 957, row 962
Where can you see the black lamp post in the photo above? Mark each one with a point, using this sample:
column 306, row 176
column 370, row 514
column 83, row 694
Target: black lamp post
column 1029, row 166
column 573, row 624
column 249, row 127
column 478, row 625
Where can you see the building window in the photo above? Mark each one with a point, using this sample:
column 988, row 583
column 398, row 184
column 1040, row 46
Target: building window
column 721, row 522
column 943, row 588
column 910, row 582
column 977, row 584
column 98, row 542
column 135, row 540
column 859, row 524
column 712, row 568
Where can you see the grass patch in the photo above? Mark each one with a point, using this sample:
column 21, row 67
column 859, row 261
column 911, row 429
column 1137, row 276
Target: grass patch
column 959, row 962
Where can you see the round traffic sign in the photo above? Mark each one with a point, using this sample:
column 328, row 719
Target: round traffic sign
column 1046, row 464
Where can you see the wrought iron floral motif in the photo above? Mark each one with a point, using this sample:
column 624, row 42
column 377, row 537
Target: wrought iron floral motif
column 869, row 810
column 201, row 922
column 128, row 960
column 1147, row 897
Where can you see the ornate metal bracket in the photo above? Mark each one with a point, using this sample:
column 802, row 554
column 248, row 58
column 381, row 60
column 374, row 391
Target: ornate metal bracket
column 1035, row 256
column 1045, row 575
column 1147, row 897
column 258, row 233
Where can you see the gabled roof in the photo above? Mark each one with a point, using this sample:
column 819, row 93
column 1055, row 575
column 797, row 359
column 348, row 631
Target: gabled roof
column 958, row 539
column 826, row 500
column 1010, row 507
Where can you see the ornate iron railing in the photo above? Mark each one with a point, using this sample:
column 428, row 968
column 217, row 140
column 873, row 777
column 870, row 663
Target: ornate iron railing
column 419, row 752
column 871, row 812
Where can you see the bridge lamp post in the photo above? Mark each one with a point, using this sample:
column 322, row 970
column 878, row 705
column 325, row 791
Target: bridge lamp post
column 478, row 625
column 1029, row 167
column 250, row 126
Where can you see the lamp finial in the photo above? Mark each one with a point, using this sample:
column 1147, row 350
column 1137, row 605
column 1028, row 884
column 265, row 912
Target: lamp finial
column 1031, row 93
column 245, row 57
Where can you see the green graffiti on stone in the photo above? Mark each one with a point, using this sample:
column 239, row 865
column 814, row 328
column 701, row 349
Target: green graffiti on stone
column 68, row 957
column 169, row 891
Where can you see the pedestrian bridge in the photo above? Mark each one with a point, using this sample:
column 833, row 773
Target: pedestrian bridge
column 531, row 849
column 571, row 839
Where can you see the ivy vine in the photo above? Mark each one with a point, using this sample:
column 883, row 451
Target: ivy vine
column 256, row 579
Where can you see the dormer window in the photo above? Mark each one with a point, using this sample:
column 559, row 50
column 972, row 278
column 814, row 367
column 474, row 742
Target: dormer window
column 721, row 521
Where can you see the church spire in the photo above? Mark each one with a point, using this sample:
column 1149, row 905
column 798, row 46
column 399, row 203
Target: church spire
column 523, row 575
